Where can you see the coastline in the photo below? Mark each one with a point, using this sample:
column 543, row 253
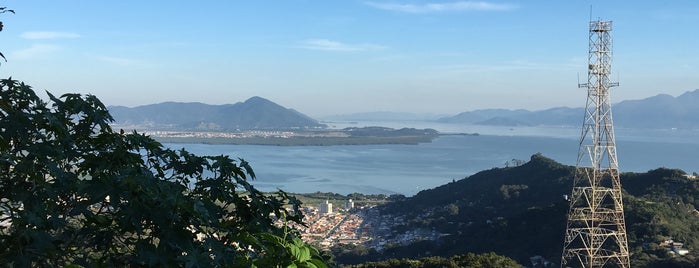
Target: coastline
column 347, row 136
column 301, row 141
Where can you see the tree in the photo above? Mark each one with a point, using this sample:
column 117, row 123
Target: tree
column 467, row 260
column 73, row 191
column 485, row 260
column 452, row 209
column 2, row 11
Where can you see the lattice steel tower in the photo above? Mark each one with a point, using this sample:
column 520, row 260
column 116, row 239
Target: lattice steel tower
column 596, row 231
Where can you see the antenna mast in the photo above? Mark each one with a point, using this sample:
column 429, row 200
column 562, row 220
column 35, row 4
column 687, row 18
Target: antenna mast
column 596, row 230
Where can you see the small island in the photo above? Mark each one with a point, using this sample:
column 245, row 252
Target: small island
column 300, row 137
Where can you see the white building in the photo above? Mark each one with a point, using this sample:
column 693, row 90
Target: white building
column 349, row 204
column 325, row 208
column 681, row 251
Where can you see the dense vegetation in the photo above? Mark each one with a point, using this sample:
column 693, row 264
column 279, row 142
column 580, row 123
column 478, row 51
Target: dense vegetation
column 470, row 260
column 520, row 212
column 76, row 192
column 338, row 200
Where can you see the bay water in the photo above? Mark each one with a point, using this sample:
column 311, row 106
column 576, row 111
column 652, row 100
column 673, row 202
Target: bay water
column 408, row 169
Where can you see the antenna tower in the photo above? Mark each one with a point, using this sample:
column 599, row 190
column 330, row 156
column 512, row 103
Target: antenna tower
column 596, row 231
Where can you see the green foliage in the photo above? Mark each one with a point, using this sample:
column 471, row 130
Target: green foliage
column 520, row 212
column 73, row 191
column 512, row 191
column 300, row 254
column 470, row 260
column 339, row 200
column 452, row 209
column 661, row 206
column 4, row 10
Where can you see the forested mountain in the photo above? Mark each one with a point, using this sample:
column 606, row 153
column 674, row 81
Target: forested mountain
column 661, row 111
column 254, row 113
column 520, row 212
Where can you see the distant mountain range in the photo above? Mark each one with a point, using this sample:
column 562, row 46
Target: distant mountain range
column 661, row 111
column 254, row 113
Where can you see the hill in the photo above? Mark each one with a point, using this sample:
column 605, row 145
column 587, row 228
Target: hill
column 254, row 113
column 520, row 212
column 661, row 111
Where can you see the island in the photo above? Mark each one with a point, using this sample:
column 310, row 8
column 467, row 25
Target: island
column 300, row 137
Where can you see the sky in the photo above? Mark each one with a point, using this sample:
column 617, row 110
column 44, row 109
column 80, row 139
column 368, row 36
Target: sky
column 328, row 57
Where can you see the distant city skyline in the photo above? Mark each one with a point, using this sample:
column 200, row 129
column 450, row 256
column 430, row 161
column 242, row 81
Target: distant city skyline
column 339, row 57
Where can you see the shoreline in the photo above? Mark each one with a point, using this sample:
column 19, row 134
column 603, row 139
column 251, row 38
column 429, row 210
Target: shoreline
column 301, row 141
column 347, row 136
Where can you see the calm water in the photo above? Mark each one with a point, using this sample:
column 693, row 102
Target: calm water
column 407, row 169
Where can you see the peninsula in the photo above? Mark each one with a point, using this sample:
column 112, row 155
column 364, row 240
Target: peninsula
column 322, row 137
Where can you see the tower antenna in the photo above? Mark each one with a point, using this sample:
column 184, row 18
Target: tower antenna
column 596, row 230
column 578, row 79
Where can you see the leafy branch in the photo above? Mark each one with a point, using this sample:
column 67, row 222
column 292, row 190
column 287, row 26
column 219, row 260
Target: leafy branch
column 4, row 10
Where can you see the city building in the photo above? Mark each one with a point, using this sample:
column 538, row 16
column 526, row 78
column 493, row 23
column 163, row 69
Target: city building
column 325, row 208
column 349, row 204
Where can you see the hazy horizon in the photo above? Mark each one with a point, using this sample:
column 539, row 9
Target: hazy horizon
column 426, row 114
column 342, row 57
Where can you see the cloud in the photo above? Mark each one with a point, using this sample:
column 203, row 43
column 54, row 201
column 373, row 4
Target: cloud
column 443, row 7
column 35, row 51
column 329, row 45
column 48, row 35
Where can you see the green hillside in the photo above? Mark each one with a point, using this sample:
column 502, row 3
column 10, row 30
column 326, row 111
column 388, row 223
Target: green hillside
column 520, row 212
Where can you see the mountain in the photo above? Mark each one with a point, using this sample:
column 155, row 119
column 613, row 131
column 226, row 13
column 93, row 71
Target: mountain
column 520, row 212
column 254, row 113
column 661, row 111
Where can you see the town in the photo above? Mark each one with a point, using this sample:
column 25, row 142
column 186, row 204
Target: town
column 350, row 224
column 243, row 134
column 334, row 223
column 294, row 137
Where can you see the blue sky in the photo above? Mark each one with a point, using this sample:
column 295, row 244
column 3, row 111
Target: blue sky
column 326, row 57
